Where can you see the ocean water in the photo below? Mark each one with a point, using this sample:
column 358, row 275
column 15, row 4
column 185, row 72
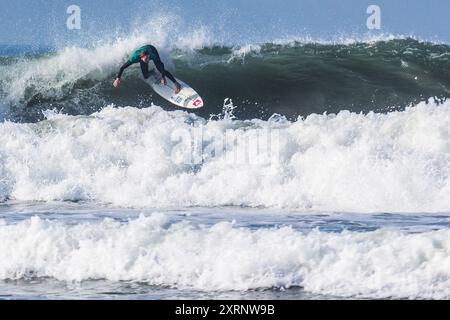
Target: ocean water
column 327, row 176
column 80, row 251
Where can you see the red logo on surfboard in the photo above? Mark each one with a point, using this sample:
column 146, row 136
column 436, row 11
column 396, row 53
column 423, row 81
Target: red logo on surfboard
column 197, row 102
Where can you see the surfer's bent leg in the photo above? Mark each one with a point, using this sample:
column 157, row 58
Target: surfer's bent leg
column 144, row 68
column 122, row 68
column 170, row 76
column 160, row 66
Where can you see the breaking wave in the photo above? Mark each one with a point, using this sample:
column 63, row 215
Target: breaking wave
column 379, row 264
column 394, row 162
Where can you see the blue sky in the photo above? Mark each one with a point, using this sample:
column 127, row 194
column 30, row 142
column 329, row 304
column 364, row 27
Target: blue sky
column 43, row 22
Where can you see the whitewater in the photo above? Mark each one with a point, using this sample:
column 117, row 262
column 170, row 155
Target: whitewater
column 317, row 170
column 154, row 251
column 338, row 206
column 395, row 162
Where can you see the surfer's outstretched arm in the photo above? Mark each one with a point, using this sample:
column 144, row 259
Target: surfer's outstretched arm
column 122, row 69
column 119, row 75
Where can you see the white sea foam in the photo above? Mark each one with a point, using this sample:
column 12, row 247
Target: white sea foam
column 395, row 162
column 240, row 53
column 379, row 264
column 52, row 76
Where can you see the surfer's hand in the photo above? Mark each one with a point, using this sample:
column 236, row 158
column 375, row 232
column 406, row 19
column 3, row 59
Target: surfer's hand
column 163, row 81
column 116, row 83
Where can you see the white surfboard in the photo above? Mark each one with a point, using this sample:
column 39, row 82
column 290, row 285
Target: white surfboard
column 186, row 98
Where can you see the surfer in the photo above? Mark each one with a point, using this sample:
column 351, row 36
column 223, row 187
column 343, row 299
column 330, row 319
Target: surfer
column 143, row 55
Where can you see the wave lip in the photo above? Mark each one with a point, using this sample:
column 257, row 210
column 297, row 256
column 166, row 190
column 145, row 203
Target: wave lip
column 293, row 78
column 379, row 264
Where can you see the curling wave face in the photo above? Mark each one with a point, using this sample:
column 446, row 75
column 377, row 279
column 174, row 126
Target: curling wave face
column 394, row 162
column 291, row 78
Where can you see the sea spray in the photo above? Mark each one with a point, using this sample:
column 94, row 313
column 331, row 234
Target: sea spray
column 292, row 79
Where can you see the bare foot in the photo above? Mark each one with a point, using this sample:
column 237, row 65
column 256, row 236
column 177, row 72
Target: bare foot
column 177, row 88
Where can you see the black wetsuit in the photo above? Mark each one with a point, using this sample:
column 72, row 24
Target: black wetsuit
column 153, row 55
